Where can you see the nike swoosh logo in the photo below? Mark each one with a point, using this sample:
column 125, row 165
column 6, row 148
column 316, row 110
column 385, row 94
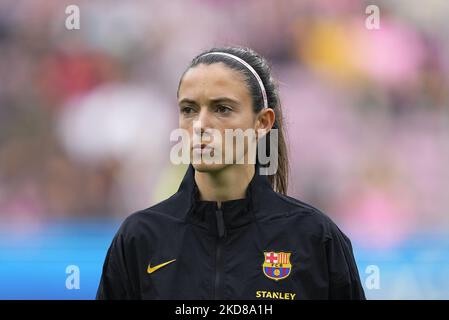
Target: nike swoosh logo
column 152, row 269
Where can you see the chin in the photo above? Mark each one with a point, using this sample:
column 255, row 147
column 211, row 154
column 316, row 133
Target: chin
column 203, row 167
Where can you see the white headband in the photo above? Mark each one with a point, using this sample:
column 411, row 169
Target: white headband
column 248, row 66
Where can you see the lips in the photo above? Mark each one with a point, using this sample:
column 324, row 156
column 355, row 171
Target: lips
column 202, row 146
column 203, row 149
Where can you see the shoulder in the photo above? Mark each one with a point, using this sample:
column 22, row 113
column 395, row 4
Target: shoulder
column 162, row 215
column 305, row 216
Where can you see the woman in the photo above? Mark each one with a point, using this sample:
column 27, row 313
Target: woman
column 230, row 231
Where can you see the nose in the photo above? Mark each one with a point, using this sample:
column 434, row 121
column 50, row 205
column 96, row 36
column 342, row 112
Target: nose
column 204, row 119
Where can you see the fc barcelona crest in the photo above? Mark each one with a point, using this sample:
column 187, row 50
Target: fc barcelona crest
column 276, row 265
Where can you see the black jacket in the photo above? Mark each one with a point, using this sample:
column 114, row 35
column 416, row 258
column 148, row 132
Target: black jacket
column 266, row 246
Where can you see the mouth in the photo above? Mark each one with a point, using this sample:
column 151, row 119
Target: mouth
column 202, row 149
column 202, row 146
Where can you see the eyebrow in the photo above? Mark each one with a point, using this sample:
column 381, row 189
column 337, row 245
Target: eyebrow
column 215, row 100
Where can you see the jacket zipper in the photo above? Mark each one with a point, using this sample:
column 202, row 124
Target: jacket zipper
column 218, row 295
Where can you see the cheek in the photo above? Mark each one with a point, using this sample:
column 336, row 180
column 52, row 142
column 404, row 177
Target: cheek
column 246, row 121
column 184, row 124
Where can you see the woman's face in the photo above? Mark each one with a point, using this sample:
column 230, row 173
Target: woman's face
column 217, row 97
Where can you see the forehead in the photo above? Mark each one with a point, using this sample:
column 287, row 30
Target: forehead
column 214, row 80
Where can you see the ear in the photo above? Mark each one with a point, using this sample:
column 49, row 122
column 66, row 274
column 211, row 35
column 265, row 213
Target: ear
column 264, row 121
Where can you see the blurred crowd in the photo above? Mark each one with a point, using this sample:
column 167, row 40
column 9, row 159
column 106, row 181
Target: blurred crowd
column 85, row 115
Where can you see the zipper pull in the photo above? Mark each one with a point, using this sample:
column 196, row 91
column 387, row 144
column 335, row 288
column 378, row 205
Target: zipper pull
column 220, row 223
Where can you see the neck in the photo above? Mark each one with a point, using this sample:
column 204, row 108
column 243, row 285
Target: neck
column 230, row 183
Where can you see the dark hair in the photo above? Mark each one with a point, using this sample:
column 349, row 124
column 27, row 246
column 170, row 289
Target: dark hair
column 279, row 180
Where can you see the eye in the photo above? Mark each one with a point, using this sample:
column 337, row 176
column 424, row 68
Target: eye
column 187, row 110
column 221, row 108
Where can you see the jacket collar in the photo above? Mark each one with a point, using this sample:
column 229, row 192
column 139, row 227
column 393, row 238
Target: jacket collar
column 236, row 213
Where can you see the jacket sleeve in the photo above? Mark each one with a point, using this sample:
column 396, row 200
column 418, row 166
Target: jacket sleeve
column 344, row 280
column 115, row 283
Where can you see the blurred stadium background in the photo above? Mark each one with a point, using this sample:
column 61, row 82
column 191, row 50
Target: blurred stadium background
column 85, row 117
